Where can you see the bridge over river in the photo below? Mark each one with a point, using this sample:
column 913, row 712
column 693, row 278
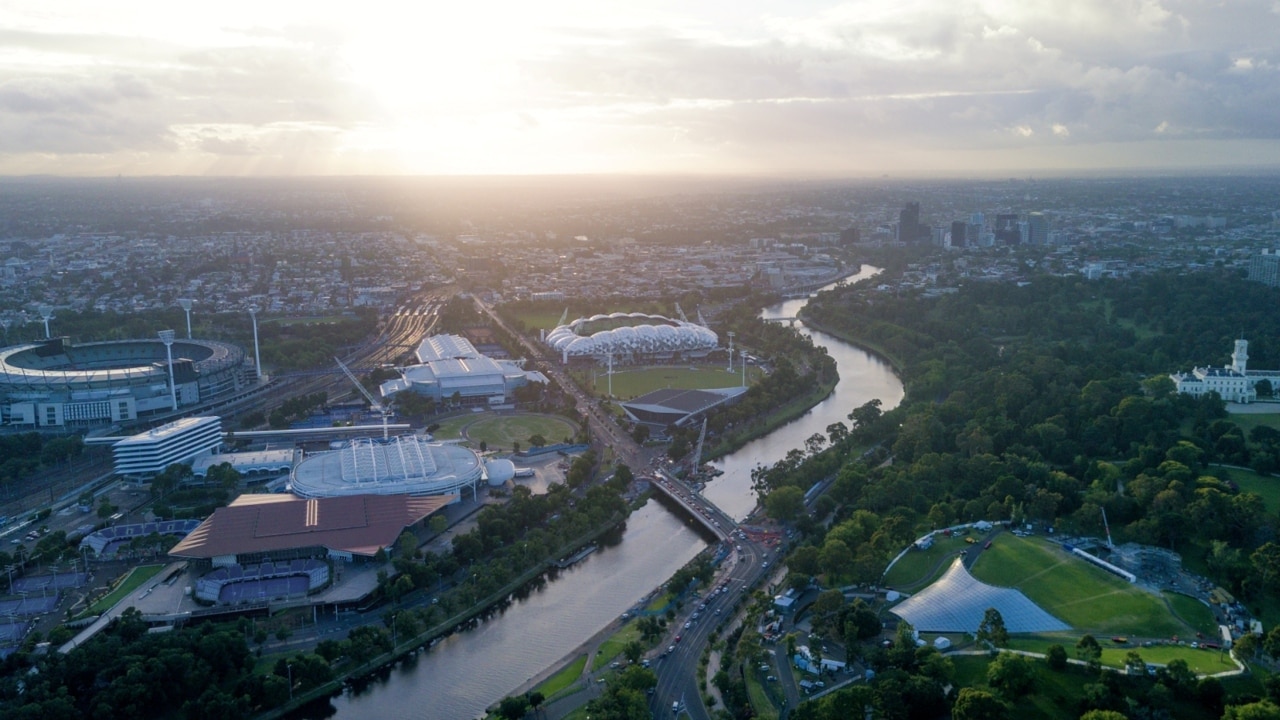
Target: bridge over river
column 715, row 520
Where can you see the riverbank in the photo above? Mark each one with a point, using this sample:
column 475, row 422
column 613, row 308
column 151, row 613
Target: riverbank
column 872, row 347
column 774, row 420
column 411, row 646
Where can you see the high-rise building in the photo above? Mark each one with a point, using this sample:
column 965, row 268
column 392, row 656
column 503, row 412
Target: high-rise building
column 909, row 223
column 1006, row 229
column 959, row 234
column 849, row 236
column 1037, row 229
column 1265, row 268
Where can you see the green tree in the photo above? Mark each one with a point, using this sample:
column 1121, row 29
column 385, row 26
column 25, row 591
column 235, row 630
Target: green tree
column 1262, row 710
column 1011, row 675
column 992, row 630
column 785, row 503
column 1103, row 715
column 1088, row 650
column 836, row 557
column 1056, row 656
column 975, row 704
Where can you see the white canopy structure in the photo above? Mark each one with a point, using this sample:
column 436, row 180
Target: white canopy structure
column 648, row 336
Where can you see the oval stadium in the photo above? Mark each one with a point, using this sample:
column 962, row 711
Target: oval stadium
column 403, row 465
column 631, row 338
column 56, row 384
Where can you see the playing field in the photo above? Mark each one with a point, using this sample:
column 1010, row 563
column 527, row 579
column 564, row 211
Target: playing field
column 1081, row 595
column 630, row 383
column 502, row 431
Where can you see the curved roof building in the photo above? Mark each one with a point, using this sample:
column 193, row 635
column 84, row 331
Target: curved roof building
column 55, row 383
column 407, row 465
column 645, row 336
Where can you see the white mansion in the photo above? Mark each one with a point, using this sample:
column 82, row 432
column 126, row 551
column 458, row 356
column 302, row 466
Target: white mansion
column 1234, row 382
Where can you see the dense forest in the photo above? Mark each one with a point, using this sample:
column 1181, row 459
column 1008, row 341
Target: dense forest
column 1045, row 401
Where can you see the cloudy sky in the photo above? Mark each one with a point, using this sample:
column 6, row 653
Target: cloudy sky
column 801, row 87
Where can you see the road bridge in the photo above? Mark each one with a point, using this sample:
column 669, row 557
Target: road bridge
column 715, row 520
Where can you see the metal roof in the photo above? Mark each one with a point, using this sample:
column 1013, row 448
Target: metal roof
column 263, row 523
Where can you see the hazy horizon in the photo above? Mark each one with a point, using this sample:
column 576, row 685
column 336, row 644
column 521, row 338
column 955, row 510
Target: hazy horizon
column 809, row 89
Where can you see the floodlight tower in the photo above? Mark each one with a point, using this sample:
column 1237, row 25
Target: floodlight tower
column 744, row 367
column 610, row 374
column 166, row 337
column 46, row 314
column 731, row 334
column 5, row 324
column 186, row 303
column 257, row 359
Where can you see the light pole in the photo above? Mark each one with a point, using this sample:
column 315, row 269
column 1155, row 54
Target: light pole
column 257, row 359
column 289, row 667
column 186, row 303
column 731, row 334
column 744, row 368
column 166, row 337
column 46, row 314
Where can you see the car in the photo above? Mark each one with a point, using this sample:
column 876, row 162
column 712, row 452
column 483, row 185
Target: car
column 678, row 638
column 765, row 566
column 671, row 649
column 688, row 625
column 987, row 546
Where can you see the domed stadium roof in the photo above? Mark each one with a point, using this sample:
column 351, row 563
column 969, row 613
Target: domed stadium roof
column 645, row 335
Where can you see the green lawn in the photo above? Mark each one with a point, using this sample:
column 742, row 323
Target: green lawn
column 1250, row 421
column 1193, row 612
column 629, row 383
column 611, row 649
column 918, row 568
column 1083, row 596
column 1266, row 487
column 131, row 582
column 1057, row 694
column 760, row 702
column 501, row 431
column 563, row 679
column 1203, row 662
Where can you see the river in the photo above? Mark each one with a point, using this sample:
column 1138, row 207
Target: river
column 469, row 671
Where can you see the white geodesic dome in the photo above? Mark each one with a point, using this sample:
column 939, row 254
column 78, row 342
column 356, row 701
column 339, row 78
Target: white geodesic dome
column 647, row 335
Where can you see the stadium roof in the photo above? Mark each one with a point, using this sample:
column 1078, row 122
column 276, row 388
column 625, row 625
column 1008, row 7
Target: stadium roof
column 445, row 347
column 263, row 523
column 957, row 601
column 670, row 405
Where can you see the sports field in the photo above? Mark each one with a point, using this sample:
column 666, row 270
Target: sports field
column 1200, row 661
column 501, row 431
column 629, row 383
column 1085, row 597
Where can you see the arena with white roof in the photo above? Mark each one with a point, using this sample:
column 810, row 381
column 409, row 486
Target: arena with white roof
column 407, row 465
column 643, row 337
column 450, row 365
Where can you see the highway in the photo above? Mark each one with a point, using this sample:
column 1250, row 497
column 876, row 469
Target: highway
column 678, row 671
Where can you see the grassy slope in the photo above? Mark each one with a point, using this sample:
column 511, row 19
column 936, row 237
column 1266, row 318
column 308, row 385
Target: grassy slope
column 1266, row 487
column 918, row 568
column 1083, row 596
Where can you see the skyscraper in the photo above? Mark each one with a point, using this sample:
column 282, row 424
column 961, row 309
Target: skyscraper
column 909, row 223
column 1007, row 232
column 1038, row 229
column 959, row 234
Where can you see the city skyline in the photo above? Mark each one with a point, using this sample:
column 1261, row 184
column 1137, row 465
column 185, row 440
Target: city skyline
column 823, row 89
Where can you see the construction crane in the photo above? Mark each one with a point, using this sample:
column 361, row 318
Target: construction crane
column 374, row 405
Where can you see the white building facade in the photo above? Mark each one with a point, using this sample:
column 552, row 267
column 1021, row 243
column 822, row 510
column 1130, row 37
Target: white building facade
column 1234, row 383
